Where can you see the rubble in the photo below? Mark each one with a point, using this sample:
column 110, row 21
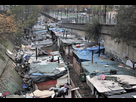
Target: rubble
column 39, row 69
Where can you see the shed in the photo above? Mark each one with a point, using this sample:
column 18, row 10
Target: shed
column 67, row 45
column 84, row 54
column 46, row 76
column 104, row 67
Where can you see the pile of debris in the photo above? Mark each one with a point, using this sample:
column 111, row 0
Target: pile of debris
column 44, row 73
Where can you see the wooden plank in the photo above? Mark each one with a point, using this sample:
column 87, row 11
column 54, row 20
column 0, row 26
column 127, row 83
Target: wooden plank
column 77, row 67
column 45, row 87
column 74, row 89
column 104, row 85
column 100, row 88
column 126, row 78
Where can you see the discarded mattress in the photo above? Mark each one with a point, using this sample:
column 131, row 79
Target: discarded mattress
column 42, row 94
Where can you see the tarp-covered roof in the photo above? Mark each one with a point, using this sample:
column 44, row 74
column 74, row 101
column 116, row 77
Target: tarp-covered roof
column 44, row 69
column 71, row 41
column 86, row 54
column 56, row 29
column 99, row 68
column 41, row 73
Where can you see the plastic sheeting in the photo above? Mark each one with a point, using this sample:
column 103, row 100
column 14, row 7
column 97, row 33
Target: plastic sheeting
column 96, row 48
column 56, row 29
column 42, row 78
column 40, row 31
column 27, row 57
column 86, row 54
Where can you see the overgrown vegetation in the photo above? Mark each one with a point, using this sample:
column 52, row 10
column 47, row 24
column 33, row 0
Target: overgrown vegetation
column 92, row 30
column 7, row 25
column 25, row 15
column 14, row 21
column 125, row 29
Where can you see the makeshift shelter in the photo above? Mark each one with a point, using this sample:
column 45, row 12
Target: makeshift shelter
column 48, row 74
column 67, row 45
column 114, row 77
column 82, row 54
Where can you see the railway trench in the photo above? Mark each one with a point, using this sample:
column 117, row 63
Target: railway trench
column 84, row 89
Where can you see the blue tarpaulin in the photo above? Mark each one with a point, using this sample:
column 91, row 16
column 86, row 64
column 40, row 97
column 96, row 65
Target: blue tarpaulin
column 40, row 31
column 39, row 22
column 24, row 86
column 57, row 29
column 27, row 57
column 36, row 74
column 96, row 48
column 86, row 54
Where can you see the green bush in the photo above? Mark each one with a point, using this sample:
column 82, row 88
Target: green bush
column 92, row 30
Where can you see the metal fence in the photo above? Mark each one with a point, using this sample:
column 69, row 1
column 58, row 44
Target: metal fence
column 80, row 18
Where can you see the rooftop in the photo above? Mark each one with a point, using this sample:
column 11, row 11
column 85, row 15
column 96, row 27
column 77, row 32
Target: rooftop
column 44, row 66
column 104, row 66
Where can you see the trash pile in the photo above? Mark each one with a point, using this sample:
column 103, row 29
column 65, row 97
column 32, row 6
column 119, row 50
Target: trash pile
column 43, row 72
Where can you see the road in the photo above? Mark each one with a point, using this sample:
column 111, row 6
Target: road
column 82, row 18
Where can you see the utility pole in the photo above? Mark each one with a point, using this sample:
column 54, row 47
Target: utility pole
column 105, row 15
column 100, row 13
column 67, row 12
column 77, row 13
column 61, row 14
column 92, row 12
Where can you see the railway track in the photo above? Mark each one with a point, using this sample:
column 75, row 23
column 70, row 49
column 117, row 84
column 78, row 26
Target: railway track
column 84, row 89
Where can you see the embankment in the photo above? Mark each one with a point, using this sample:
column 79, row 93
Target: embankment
column 10, row 81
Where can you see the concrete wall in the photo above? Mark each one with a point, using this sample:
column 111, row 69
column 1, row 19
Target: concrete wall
column 75, row 26
column 118, row 51
column 105, row 28
column 112, row 49
column 79, row 32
